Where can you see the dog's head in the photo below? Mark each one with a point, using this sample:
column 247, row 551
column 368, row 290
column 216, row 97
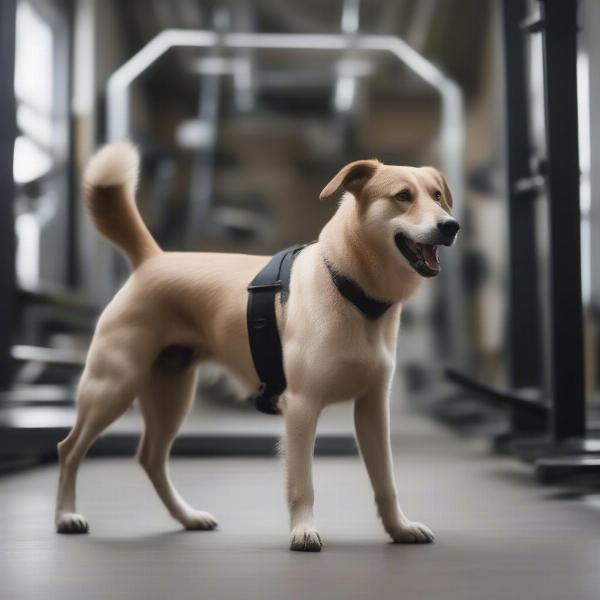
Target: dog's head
column 403, row 211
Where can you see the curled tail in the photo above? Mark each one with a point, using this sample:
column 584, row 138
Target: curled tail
column 109, row 187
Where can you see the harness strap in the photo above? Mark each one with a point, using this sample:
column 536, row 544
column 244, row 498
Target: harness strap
column 371, row 308
column 265, row 343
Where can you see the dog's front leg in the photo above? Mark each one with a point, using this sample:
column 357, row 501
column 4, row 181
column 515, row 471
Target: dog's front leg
column 300, row 424
column 371, row 418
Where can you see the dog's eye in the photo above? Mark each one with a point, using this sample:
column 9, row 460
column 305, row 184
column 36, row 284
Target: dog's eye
column 403, row 195
column 437, row 196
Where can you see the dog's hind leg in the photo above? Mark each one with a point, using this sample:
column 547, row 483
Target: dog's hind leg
column 101, row 400
column 165, row 400
column 119, row 358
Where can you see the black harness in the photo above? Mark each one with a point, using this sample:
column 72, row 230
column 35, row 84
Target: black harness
column 263, row 334
column 265, row 343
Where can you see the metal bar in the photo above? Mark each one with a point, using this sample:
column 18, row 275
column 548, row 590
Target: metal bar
column 35, row 431
column 73, row 204
column 591, row 230
column 524, row 357
column 565, row 348
column 7, row 187
column 554, row 470
column 345, row 84
column 203, row 166
column 52, row 356
column 529, row 404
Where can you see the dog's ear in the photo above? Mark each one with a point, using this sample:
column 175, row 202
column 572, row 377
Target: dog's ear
column 351, row 178
column 445, row 188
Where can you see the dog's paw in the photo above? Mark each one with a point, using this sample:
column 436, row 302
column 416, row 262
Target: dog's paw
column 305, row 539
column 199, row 520
column 412, row 532
column 72, row 523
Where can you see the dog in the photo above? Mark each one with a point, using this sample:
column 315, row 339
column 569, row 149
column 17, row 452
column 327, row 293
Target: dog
column 177, row 310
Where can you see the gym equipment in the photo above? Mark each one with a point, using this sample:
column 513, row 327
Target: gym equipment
column 551, row 433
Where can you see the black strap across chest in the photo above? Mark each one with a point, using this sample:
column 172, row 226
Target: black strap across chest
column 265, row 343
column 371, row 308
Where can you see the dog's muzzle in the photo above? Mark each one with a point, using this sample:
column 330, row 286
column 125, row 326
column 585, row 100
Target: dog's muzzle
column 424, row 258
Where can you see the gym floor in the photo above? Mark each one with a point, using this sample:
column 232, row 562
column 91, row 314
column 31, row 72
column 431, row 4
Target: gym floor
column 499, row 535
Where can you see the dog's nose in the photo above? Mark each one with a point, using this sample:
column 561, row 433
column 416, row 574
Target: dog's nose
column 449, row 227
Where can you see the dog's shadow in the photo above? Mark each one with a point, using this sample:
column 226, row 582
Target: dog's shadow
column 136, row 540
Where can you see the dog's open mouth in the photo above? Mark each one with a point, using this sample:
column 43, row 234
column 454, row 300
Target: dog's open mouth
column 423, row 258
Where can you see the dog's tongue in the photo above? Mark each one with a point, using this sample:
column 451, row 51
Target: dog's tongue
column 430, row 256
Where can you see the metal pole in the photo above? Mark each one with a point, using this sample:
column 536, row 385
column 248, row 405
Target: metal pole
column 202, row 180
column 523, row 294
column 565, row 349
column 7, row 188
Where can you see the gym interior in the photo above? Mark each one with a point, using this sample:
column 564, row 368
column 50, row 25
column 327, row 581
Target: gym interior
column 242, row 111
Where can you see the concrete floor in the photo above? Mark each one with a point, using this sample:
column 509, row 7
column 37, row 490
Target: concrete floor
column 499, row 536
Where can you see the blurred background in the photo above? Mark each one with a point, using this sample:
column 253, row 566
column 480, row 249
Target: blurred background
column 243, row 111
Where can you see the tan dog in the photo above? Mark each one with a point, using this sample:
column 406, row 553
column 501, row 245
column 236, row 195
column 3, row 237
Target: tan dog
column 383, row 236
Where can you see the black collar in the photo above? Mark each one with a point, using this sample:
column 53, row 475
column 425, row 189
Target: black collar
column 369, row 307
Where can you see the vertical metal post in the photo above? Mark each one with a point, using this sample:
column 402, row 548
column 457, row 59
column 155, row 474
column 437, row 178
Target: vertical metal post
column 73, row 200
column 7, row 191
column 565, row 349
column 591, row 14
column 524, row 356
column 203, row 167
column 202, row 179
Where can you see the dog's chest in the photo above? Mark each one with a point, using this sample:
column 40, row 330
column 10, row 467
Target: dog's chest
column 337, row 361
column 332, row 351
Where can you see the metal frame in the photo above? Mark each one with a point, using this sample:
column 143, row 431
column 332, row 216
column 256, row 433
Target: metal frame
column 452, row 118
column 567, row 450
column 529, row 414
column 7, row 189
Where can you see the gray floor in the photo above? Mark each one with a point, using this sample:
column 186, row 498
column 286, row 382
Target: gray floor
column 499, row 536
